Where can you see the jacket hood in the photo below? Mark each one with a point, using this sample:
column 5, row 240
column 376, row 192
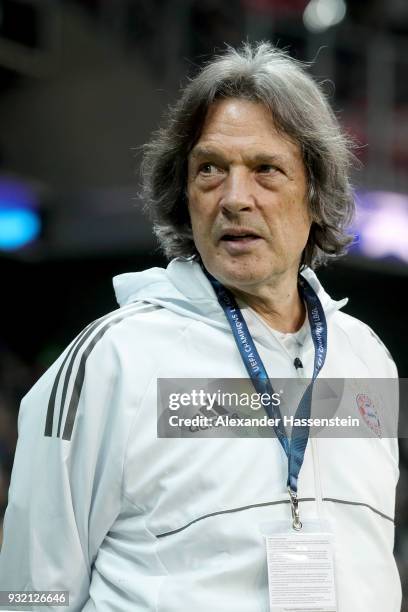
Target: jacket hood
column 183, row 288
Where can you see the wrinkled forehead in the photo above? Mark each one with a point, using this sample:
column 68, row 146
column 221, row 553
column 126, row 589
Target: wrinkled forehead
column 229, row 116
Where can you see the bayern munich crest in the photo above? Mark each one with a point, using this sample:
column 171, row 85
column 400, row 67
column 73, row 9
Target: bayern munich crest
column 369, row 413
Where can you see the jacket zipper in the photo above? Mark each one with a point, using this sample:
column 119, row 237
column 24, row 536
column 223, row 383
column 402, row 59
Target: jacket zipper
column 318, row 484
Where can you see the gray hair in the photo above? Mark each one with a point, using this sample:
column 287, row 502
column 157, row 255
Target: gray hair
column 298, row 106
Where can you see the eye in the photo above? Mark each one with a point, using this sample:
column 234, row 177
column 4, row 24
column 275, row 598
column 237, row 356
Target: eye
column 267, row 169
column 207, row 168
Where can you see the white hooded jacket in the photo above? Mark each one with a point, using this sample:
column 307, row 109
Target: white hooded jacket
column 99, row 506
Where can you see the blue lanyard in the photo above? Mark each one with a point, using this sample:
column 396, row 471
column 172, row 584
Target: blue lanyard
column 296, row 446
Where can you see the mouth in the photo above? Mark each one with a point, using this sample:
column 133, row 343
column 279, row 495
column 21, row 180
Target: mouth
column 239, row 235
column 239, row 241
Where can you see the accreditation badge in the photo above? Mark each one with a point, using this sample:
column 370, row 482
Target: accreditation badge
column 301, row 574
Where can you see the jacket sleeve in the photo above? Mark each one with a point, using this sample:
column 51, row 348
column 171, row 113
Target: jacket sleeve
column 65, row 490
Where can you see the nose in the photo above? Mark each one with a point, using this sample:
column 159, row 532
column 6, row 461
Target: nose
column 237, row 193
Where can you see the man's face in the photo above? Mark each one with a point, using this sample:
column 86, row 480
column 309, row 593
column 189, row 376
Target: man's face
column 247, row 197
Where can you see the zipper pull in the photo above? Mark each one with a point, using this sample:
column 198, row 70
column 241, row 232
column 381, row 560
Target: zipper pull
column 294, row 504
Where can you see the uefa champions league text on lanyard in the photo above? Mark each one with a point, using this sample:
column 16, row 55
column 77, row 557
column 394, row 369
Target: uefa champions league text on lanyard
column 296, row 446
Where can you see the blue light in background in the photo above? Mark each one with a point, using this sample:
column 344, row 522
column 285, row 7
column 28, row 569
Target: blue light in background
column 19, row 220
column 382, row 225
column 18, row 227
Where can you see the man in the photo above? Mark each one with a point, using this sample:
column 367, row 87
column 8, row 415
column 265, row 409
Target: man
column 247, row 185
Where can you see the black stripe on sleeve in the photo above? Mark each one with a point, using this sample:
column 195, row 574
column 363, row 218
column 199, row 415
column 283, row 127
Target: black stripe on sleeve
column 72, row 353
column 51, row 402
column 80, row 375
column 79, row 345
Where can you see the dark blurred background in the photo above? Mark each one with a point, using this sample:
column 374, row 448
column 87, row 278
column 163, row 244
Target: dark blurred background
column 82, row 85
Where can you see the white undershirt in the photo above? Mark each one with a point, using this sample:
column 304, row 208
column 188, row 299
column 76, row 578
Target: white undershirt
column 292, row 344
column 291, row 341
